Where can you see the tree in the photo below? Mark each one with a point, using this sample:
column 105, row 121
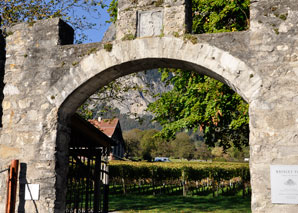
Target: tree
column 13, row 11
column 217, row 152
column 132, row 140
column 183, row 146
column 202, row 151
column 149, row 144
column 199, row 102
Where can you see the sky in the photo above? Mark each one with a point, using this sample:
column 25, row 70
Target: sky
column 96, row 34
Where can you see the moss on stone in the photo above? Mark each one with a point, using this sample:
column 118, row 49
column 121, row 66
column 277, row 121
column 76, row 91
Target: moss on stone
column 188, row 37
column 92, row 50
column 108, row 47
column 158, row 3
column 75, row 63
column 283, row 16
column 128, row 37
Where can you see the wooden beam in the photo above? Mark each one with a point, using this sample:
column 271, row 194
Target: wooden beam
column 12, row 182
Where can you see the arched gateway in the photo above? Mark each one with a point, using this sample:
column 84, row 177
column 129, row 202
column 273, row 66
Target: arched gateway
column 46, row 79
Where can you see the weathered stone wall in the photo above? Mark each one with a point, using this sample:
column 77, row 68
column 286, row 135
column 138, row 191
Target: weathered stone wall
column 172, row 18
column 29, row 121
column 45, row 81
column 274, row 138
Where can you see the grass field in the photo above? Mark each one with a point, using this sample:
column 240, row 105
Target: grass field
column 163, row 203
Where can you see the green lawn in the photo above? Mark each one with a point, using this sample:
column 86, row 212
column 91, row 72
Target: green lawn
column 163, row 203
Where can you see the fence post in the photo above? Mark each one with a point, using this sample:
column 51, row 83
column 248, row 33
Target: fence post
column 106, row 183
column 12, row 186
column 184, row 187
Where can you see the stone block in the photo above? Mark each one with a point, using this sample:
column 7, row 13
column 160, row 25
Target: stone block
column 7, row 152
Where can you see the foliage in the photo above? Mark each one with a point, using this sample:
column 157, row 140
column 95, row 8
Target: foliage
column 160, row 173
column 113, row 10
column 144, row 145
column 132, row 140
column 199, row 102
column 183, row 146
column 14, row 11
column 148, row 144
column 211, row 16
column 216, row 170
column 202, row 151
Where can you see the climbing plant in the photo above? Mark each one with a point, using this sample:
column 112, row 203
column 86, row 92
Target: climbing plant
column 211, row 16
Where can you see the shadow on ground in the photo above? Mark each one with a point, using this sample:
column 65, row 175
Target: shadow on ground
column 222, row 204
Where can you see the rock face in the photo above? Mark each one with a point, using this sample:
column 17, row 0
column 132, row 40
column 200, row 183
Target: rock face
column 47, row 80
column 135, row 102
column 110, row 34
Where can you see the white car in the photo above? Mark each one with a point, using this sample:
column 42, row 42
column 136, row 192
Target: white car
column 161, row 159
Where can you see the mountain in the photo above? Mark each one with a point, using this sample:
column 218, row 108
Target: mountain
column 130, row 106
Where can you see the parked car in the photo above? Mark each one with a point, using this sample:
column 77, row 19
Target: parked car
column 162, row 159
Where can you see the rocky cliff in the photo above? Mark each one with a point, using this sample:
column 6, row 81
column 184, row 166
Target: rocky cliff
column 147, row 84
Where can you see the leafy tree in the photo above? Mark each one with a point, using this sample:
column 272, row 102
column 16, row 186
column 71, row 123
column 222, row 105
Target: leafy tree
column 183, row 146
column 13, row 11
column 162, row 148
column 202, row 151
column 217, row 152
column 199, row 102
column 148, row 144
column 237, row 155
column 132, row 140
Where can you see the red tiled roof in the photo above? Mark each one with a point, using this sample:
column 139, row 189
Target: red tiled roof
column 107, row 126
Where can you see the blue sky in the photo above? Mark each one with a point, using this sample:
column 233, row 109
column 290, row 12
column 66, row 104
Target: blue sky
column 96, row 34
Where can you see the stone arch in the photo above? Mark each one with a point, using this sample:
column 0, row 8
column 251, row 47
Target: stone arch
column 101, row 67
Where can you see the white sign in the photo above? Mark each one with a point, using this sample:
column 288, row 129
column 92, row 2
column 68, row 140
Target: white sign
column 284, row 184
column 31, row 191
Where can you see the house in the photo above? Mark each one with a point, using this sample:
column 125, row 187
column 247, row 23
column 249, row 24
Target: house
column 84, row 134
column 112, row 128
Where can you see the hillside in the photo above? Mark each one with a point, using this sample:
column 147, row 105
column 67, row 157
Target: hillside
column 130, row 106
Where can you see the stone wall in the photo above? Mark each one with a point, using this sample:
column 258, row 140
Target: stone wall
column 273, row 44
column 29, row 121
column 46, row 80
column 154, row 17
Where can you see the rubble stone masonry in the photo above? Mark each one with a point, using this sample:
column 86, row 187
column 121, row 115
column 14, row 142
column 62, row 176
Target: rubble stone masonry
column 47, row 78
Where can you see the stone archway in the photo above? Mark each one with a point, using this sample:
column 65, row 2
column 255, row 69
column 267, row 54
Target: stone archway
column 46, row 80
column 100, row 67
